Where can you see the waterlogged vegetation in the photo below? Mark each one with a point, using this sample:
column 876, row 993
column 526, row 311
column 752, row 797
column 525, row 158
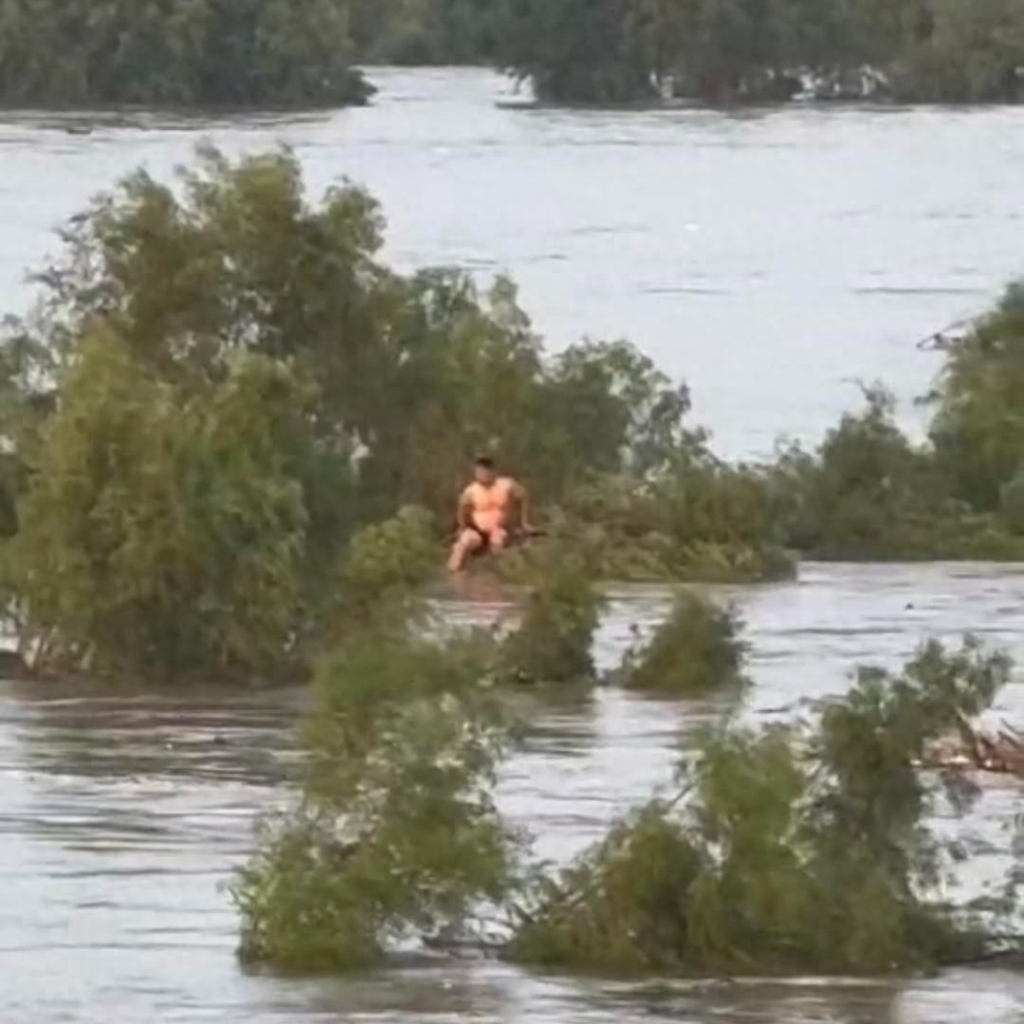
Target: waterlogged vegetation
column 222, row 383
column 697, row 649
column 552, row 643
column 727, row 51
column 301, row 52
column 787, row 849
column 200, row 53
column 802, row 848
column 397, row 830
column 232, row 439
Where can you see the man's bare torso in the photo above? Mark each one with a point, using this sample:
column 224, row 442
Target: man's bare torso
column 490, row 507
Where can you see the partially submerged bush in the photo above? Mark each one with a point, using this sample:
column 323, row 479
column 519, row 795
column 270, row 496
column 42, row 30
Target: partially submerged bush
column 688, row 517
column 209, row 53
column 978, row 431
column 870, row 494
column 397, row 831
column 788, row 850
column 696, row 649
column 162, row 533
column 383, row 566
column 553, row 641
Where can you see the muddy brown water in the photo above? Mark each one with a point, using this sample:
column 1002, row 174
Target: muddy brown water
column 123, row 818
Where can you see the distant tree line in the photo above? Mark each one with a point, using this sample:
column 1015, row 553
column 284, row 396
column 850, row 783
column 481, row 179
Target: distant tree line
column 743, row 50
column 187, row 52
column 301, row 52
column 425, row 32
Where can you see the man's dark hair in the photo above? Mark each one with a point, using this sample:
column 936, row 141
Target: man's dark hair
column 485, row 462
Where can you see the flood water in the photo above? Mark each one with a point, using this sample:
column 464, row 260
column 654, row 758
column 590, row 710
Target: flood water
column 122, row 819
column 771, row 258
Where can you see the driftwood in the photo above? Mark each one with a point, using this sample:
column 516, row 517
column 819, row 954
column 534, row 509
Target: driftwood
column 999, row 751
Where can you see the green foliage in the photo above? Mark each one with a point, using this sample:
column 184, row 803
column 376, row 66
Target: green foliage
column 788, row 850
column 692, row 518
column 397, row 830
column 723, row 51
column 200, row 52
column 593, row 51
column 230, row 330
column 871, row 494
column 383, row 566
column 553, row 641
column 696, row 649
column 162, row 533
column 396, row 383
column 427, row 31
column 621, row 908
column 972, row 55
column 978, row 430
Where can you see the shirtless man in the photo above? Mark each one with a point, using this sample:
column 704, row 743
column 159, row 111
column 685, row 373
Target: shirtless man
column 485, row 513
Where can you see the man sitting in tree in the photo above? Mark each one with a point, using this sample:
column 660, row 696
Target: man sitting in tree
column 488, row 509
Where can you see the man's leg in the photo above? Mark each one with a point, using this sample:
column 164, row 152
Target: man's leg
column 468, row 542
column 498, row 538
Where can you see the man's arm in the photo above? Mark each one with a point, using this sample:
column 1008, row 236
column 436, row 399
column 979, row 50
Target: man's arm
column 523, row 500
column 464, row 512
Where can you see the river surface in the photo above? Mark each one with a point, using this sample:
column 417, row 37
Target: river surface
column 123, row 818
column 772, row 259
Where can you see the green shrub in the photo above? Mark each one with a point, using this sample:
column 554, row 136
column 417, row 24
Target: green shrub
column 696, row 649
column 788, row 850
column 383, row 566
column 978, row 429
column 621, row 908
column 162, row 534
column 203, row 53
column 553, row 641
column 397, row 832
column 869, row 494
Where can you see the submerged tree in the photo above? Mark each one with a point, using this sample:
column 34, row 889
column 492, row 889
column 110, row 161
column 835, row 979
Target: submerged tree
column 697, row 649
column 553, row 642
column 725, row 51
column 787, row 850
column 163, row 532
column 206, row 52
column 978, row 430
column 391, row 385
column 590, row 51
column 397, row 831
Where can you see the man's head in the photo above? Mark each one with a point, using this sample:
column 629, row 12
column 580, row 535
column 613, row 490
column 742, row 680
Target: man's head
column 484, row 471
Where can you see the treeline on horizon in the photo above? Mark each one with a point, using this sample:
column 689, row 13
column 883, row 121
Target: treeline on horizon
column 302, row 52
column 223, row 385
column 725, row 51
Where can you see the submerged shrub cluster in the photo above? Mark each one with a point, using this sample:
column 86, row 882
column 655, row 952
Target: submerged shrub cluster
column 202, row 53
column 789, row 849
column 801, row 848
column 553, row 641
column 696, row 650
column 397, row 830
column 723, row 51
column 223, row 383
